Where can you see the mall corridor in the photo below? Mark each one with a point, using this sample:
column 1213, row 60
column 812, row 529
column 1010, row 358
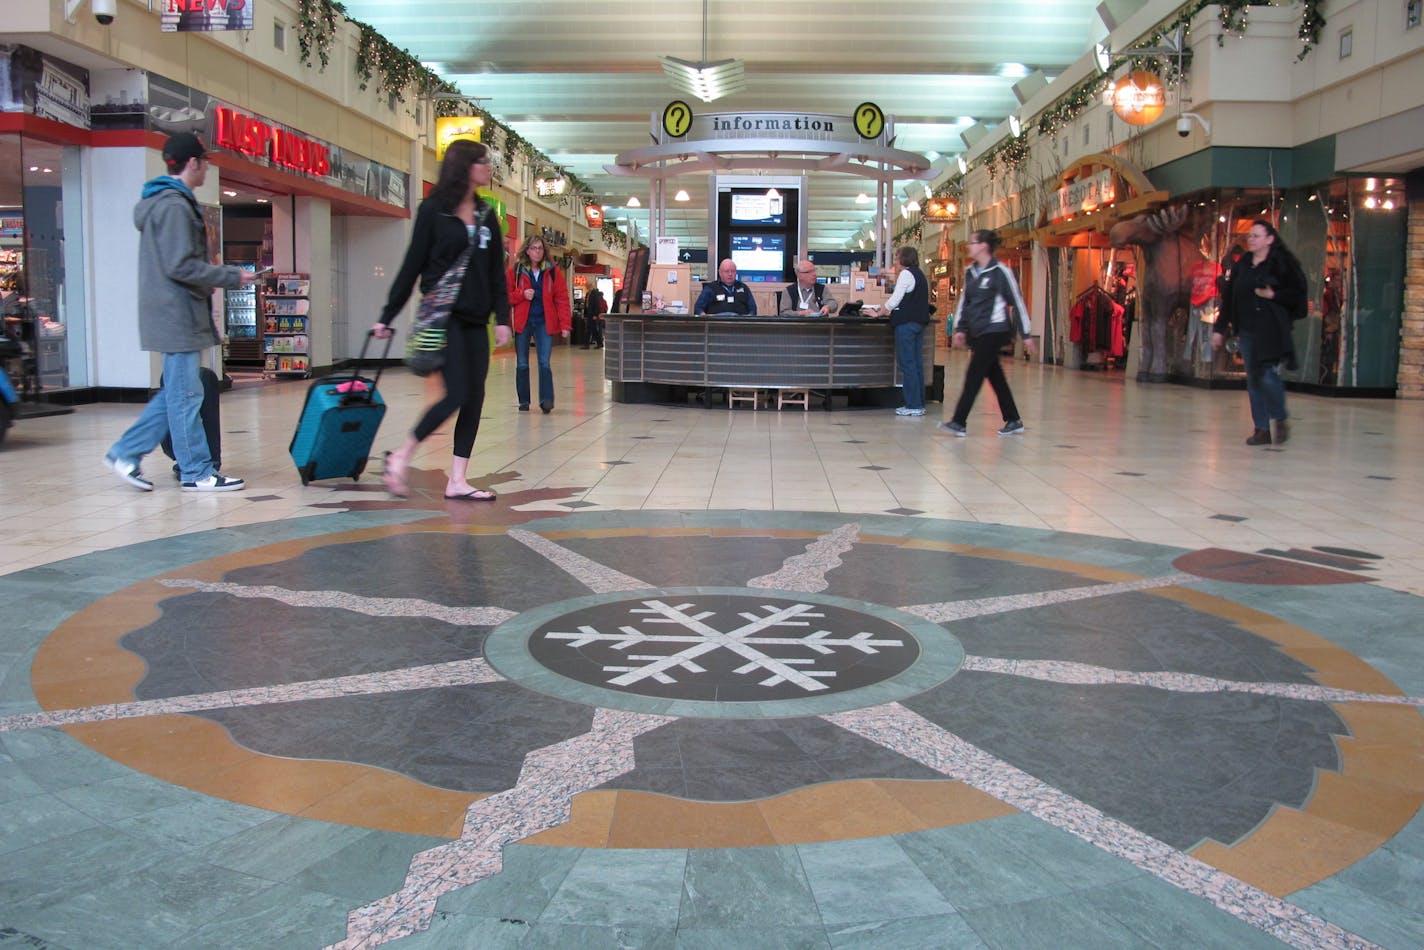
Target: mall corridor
column 711, row 678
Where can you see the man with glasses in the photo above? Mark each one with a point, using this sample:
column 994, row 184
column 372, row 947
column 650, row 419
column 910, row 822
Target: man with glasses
column 807, row 295
column 175, row 318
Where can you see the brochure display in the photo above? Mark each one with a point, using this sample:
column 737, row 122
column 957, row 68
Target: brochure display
column 286, row 335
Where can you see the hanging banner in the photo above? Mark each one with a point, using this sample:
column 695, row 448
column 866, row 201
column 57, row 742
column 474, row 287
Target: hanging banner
column 205, row 16
column 594, row 216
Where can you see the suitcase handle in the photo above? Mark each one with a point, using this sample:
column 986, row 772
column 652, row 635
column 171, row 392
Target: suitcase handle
column 352, row 393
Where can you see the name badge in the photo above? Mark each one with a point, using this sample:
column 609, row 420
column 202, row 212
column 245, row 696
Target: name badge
column 484, row 234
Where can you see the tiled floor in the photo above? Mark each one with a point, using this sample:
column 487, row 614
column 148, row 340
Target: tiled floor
column 705, row 678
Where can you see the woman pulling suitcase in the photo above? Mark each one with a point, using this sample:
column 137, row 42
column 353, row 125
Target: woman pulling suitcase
column 449, row 221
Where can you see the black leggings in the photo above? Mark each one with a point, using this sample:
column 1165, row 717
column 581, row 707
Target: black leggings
column 467, row 359
column 984, row 364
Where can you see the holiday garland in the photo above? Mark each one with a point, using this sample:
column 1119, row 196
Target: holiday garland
column 396, row 72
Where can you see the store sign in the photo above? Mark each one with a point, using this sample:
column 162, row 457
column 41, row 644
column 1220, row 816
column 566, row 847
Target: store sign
column 594, row 215
column 1139, row 97
column 1084, row 195
column 282, row 147
column 942, row 209
column 549, row 187
column 205, row 16
column 448, row 128
column 803, row 126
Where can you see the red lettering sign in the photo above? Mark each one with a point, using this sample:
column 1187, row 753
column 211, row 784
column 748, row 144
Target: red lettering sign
column 253, row 137
column 198, row 6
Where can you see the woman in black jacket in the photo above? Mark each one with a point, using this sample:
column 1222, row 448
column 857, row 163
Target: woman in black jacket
column 1265, row 288
column 451, row 219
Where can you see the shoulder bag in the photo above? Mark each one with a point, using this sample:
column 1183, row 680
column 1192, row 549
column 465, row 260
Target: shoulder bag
column 425, row 347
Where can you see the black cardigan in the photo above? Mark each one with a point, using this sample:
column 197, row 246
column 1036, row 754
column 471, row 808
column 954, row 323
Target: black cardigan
column 436, row 240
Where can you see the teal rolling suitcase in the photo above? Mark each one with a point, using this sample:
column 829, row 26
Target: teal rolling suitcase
column 338, row 424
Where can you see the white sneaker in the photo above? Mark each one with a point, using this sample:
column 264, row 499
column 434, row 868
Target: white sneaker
column 129, row 472
column 215, row 482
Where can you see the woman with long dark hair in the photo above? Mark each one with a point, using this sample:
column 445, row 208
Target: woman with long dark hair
column 1265, row 288
column 451, row 219
column 539, row 307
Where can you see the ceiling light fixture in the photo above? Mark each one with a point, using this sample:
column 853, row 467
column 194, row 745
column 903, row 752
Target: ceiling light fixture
column 862, row 199
column 963, row 165
column 633, row 202
column 705, row 80
column 773, row 194
column 1015, row 126
column 681, row 195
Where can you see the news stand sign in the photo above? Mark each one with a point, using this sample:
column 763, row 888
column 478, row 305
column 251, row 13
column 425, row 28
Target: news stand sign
column 205, row 16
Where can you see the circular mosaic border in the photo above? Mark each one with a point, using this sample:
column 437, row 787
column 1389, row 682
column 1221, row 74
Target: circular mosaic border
column 507, row 650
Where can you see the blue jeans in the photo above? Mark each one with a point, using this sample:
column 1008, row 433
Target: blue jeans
column 173, row 410
column 1263, row 387
column 543, row 346
column 908, row 337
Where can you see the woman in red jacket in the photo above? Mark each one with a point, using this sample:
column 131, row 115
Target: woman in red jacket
column 539, row 308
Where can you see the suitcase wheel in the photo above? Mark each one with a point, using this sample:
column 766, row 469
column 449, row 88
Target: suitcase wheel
column 307, row 471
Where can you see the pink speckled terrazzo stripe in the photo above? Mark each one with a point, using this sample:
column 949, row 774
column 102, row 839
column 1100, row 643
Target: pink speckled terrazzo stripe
column 541, row 799
column 962, row 609
column 897, row 728
column 599, row 579
column 454, row 673
column 807, row 572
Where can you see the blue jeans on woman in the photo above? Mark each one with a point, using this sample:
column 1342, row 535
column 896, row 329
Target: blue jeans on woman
column 543, row 347
column 1264, row 386
column 908, row 339
column 173, row 410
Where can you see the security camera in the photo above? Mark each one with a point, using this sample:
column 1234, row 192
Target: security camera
column 1184, row 126
column 104, row 10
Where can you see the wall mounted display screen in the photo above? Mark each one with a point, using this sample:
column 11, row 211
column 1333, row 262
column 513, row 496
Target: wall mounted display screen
column 757, row 208
column 759, row 257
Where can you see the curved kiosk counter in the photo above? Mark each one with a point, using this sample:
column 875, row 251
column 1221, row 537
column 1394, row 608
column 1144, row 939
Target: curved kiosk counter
column 659, row 357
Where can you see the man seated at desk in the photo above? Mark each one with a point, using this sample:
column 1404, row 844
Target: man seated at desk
column 808, row 296
column 726, row 294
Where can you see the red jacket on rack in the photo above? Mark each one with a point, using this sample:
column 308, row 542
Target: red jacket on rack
column 558, row 313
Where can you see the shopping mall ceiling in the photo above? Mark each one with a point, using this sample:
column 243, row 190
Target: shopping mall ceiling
column 580, row 80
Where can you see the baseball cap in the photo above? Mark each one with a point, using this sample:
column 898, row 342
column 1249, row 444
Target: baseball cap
column 181, row 147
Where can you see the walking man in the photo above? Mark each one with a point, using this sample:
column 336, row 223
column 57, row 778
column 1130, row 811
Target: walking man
column 982, row 321
column 175, row 318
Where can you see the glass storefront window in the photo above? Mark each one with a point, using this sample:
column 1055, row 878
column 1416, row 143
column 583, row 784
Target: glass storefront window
column 32, row 259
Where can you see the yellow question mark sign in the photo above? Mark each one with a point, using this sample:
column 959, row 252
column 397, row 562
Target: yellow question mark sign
column 677, row 118
column 869, row 120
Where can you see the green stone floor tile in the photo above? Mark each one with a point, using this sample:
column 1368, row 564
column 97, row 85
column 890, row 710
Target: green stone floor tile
column 196, row 822
column 25, row 822
column 849, row 879
column 942, row 932
column 557, row 936
column 738, row 888
column 1165, row 916
column 770, row 937
column 620, row 888
column 126, row 796
column 1050, row 923
column 521, row 890
column 282, row 847
column 369, row 868
column 279, row 918
column 1374, row 918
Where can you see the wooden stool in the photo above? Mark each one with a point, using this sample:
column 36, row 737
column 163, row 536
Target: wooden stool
column 735, row 396
column 794, row 397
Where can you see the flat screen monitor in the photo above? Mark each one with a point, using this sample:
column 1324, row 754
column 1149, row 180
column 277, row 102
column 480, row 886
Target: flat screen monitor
column 759, row 257
column 757, row 209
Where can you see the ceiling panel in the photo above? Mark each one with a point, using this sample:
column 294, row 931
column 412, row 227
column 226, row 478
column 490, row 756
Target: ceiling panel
column 580, row 80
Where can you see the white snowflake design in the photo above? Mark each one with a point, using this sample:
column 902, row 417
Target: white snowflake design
column 746, row 641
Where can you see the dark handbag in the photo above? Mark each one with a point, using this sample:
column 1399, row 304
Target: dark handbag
column 425, row 347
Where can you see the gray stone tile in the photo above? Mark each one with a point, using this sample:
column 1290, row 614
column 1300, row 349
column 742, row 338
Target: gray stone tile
column 282, row 847
column 556, row 936
column 462, row 932
column 977, row 865
column 196, row 822
column 15, row 781
column 123, row 797
column 1375, row 918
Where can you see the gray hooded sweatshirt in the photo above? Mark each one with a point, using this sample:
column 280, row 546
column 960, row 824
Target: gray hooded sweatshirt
column 175, row 280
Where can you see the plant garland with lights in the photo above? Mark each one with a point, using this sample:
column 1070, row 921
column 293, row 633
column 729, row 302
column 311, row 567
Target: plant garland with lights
column 613, row 236
column 397, row 73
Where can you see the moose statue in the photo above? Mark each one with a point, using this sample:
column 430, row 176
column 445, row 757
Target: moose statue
column 1166, row 282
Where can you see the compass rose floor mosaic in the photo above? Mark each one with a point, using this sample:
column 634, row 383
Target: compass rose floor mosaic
column 539, row 725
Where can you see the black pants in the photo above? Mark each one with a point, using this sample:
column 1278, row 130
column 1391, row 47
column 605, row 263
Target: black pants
column 467, row 359
column 984, row 364
column 595, row 331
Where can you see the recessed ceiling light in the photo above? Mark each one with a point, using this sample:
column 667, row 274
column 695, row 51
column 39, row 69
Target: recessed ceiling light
column 262, row 201
column 230, row 194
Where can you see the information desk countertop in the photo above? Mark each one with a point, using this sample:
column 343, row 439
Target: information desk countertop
column 763, row 352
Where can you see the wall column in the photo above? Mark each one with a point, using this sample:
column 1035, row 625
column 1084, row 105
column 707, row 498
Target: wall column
column 1411, row 332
